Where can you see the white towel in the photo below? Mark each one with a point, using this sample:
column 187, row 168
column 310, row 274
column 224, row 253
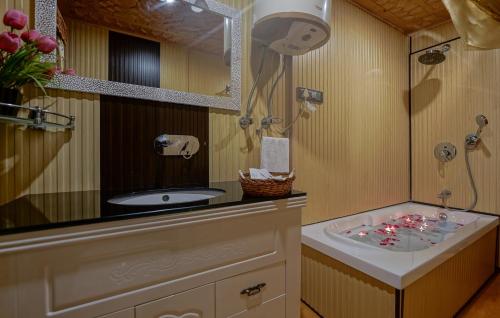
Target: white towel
column 275, row 155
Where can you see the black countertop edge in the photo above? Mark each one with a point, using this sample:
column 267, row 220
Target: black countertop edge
column 35, row 219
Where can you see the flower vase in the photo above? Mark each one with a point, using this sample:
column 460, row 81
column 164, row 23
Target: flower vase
column 10, row 96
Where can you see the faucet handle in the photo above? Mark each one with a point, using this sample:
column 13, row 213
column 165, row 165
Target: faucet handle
column 176, row 145
column 444, row 195
column 445, row 152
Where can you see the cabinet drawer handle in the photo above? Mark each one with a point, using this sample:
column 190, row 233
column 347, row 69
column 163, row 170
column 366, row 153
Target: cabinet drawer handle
column 252, row 291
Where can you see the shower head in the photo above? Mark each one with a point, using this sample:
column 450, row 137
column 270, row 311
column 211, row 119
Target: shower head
column 434, row 56
column 473, row 140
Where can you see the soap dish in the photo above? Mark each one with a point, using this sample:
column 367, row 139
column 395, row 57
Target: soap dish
column 267, row 188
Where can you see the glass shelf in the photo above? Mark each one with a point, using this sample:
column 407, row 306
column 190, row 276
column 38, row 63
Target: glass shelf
column 37, row 118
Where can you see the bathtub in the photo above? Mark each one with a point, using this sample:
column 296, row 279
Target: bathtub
column 398, row 269
column 401, row 261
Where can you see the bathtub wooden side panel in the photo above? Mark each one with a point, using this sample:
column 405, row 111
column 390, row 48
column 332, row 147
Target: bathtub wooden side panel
column 334, row 289
column 442, row 292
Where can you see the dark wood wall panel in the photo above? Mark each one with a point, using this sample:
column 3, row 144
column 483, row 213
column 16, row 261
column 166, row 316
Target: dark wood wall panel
column 134, row 60
column 128, row 160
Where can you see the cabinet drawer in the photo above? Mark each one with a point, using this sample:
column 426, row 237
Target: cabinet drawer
column 229, row 297
column 274, row 308
column 195, row 303
column 127, row 313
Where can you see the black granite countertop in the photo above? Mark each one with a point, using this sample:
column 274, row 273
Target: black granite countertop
column 48, row 211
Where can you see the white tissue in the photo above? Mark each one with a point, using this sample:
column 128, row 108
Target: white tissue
column 263, row 174
column 260, row 174
column 275, row 155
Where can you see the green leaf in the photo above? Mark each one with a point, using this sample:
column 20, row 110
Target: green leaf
column 39, row 85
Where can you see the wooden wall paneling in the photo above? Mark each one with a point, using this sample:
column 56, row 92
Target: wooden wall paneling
column 231, row 147
column 443, row 291
column 407, row 16
column 445, row 101
column 7, row 135
column 84, row 44
column 353, row 154
column 201, row 64
column 174, row 62
column 228, row 142
column 334, row 289
column 51, row 161
column 35, row 161
column 134, row 60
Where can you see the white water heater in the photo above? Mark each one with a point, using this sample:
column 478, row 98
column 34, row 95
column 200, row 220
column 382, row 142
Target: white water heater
column 292, row 27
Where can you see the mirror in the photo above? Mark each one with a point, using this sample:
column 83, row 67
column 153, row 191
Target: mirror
column 180, row 51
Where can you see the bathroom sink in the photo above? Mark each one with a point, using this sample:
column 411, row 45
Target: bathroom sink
column 166, row 197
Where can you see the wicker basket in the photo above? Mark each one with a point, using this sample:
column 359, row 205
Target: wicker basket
column 267, row 188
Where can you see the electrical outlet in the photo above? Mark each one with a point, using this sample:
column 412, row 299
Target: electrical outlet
column 315, row 96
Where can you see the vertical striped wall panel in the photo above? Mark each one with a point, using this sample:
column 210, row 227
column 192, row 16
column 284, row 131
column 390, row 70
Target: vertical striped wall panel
column 334, row 289
column 442, row 292
column 174, row 62
column 45, row 162
column 133, row 60
column 445, row 101
column 231, row 147
column 84, row 44
column 201, row 64
column 353, row 153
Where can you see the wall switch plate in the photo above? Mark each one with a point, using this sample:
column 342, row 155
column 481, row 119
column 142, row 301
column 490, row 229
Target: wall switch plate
column 315, row 96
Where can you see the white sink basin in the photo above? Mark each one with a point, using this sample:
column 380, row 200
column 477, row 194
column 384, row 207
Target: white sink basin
column 166, row 197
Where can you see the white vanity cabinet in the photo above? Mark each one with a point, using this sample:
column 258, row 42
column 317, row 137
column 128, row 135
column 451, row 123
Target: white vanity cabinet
column 125, row 313
column 196, row 303
column 238, row 261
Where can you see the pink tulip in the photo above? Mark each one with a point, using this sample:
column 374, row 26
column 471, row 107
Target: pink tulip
column 70, row 71
column 30, row 36
column 46, row 44
column 15, row 18
column 53, row 71
column 9, row 42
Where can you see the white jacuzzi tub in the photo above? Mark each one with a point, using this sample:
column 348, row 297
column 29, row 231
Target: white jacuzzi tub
column 397, row 266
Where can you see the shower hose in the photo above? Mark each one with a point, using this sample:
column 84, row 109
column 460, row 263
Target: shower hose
column 471, row 180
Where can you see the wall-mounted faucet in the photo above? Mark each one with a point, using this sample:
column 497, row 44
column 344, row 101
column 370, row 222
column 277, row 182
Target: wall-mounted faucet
column 176, row 145
column 473, row 140
column 446, row 152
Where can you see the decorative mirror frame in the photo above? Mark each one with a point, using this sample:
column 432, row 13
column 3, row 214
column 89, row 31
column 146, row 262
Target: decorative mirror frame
column 46, row 23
